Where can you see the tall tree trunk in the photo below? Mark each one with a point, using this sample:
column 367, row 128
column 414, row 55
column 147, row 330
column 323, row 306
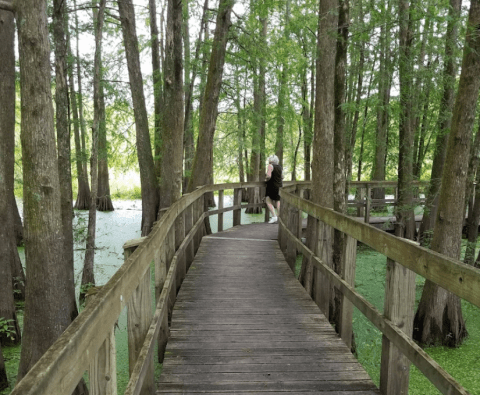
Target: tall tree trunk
column 385, row 82
column 319, row 236
column 8, row 246
column 189, row 143
column 439, row 316
column 104, row 200
column 48, row 305
column 254, row 168
column 63, row 136
column 405, row 224
column 353, row 131
column 444, row 124
column 203, row 161
column 88, row 276
column 263, row 102
column 307, row 125
column 83, row 195
column 157, row 83
column 148, row 180
column 339, row 180
column 11, row 222
column 3, row 372
column 173, row 115
column 282, row 94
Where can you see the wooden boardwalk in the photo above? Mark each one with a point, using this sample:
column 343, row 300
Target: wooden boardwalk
column 243, row 324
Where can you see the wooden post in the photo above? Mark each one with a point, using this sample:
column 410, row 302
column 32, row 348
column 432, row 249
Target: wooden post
column 237, row 201
column 166, row 253
column 264, row 193
column 220, row 215
column 161, row 265
column 399, row 308
column 292, row 216
column 102, row 372
column 282, row 236
column 368, row 204
column 361, row 198
column 139, row 317
column 348, row 274
column 301, row 194
column 179, row 236
column 324, row 251
column 189, row 252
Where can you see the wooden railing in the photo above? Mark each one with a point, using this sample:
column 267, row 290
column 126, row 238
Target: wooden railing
column 364, row 202
column 404, row 259
column 88, row 344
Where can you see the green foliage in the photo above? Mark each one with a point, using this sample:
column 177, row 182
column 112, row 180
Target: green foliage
column 6, row 328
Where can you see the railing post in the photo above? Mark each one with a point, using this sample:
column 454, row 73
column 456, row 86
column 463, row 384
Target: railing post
column 301, row 194
column 324, row 250
column 179, row 237
column 348, row 274
column 292, row 225
column 237, row 201
column 189, row 252
column 139, row 316
column 220, row 215
column 399, row 308
column 102, row 372
column 163, row 259
column 361, row 198
column 368, row 204
column 282, row 236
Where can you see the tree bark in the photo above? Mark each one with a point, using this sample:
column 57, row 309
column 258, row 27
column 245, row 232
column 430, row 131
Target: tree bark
column 9, row 260
column 439, row 316
column 104, row 200
column 88, row 276
column 63, row 142
column 405, row 221
column 189, row 84
column 203, row 161
column 3, row 372
column 157, row 83
column 173, row 116
column 339, row 181
column 8, row 246
column 444, row 124
column 83, row 195
column 323, row 143
column 48, row 305
column 384, row 87
column 148, row 180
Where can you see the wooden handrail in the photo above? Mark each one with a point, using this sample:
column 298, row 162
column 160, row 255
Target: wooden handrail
column 59, row 370
column 451, row 274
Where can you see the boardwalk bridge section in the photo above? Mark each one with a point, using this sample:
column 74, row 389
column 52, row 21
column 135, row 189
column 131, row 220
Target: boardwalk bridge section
column 230, row 317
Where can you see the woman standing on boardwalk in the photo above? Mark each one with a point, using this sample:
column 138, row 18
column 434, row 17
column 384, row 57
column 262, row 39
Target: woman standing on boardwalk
column 274, row 183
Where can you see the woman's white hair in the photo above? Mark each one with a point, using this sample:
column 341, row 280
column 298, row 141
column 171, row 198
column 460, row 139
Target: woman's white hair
column 273, row 159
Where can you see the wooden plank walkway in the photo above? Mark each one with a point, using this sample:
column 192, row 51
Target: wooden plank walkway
column 243, row 324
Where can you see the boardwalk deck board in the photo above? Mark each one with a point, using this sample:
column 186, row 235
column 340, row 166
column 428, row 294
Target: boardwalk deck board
column 243, row 324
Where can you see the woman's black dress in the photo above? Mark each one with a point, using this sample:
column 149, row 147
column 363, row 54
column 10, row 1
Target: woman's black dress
column 274, row 183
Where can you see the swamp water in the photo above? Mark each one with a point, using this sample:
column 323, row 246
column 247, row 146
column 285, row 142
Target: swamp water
column 113, row 230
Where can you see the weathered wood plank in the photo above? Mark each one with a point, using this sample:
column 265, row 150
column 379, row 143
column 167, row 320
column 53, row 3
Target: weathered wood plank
column 242, row 321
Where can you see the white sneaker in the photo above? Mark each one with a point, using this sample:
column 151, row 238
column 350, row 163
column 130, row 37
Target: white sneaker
column 273, row 220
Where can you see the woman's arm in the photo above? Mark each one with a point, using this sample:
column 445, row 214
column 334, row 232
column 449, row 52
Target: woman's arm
column 269, row 172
